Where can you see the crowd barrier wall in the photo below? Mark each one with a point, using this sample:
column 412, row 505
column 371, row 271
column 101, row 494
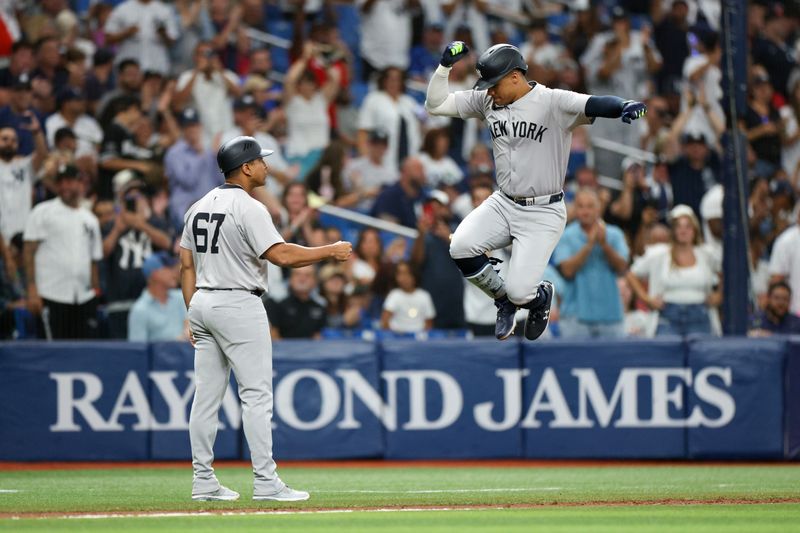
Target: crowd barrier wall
column 730, row 398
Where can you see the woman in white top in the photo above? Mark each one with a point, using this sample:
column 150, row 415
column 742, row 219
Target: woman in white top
column 407, row 309
column 440, row 168
column 683, row 278
column 394, row 112
column 306, row 107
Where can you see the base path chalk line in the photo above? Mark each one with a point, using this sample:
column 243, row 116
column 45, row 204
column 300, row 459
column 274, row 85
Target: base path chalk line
column 439, row 491
column 8, row 491
column 334, row 510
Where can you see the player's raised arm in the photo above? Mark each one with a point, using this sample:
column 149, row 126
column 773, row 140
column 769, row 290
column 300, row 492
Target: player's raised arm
column 439, row 100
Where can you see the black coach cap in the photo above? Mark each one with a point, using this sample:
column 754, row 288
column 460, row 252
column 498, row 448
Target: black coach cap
column 238, row 151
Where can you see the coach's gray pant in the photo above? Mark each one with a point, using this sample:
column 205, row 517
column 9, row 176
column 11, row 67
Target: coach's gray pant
column 231, row 332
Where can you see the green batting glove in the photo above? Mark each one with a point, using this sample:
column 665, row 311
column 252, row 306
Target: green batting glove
column 453, row 53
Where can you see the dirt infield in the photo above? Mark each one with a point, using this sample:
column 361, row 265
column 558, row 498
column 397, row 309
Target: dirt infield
column 416, row 508
column 8, row 466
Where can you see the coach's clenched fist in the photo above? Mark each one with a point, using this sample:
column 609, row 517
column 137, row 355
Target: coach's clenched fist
column 341, row 250
column 453, row 53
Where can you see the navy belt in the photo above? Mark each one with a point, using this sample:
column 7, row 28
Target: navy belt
column 254, row 292
column 528, row 201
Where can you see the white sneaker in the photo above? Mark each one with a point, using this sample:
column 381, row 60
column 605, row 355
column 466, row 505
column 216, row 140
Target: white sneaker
column 284, row 495
column 222, row 494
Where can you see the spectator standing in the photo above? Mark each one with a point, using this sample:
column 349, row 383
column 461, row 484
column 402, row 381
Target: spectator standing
column 590, row 256
column 300, row 315
column 542, row 56
column 159, row 314
column 390, row 109
column 776, row 318
column 62, row 250
column 127, row 241
column 399, row 202
column 438, row 273
column 191, row 168
column 784, row 264
column 17, row 177
column 670, row 36
column 425, row 55
column 764, row 124
column 385, row 34
column 15, row 113
column 341, row 312
column 683, row 278
column 144, row 31
column 209, row 88
column 407, row 309
column 306, row 106
column 704, row 91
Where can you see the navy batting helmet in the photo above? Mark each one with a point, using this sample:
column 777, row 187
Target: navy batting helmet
column 496, row 62
column 238, row 151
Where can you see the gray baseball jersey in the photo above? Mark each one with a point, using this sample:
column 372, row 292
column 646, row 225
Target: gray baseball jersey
column 531, row 137
column 227, row 232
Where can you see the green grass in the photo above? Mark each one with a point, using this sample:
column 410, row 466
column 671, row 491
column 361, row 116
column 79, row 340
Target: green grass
column 168, row 489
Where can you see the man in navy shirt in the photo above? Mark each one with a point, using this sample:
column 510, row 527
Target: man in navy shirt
column 398, row 203
column 694, row 172
column 776, row 318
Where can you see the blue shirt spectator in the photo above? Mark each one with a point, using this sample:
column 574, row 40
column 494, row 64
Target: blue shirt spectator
column 160, row 313
column 190, row 168
column 590, row 256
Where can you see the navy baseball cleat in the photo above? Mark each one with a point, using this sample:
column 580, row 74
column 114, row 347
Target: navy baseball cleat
column 537, row 319
column 505, row 325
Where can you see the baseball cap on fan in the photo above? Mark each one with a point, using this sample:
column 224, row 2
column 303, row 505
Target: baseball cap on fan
column 157, row 261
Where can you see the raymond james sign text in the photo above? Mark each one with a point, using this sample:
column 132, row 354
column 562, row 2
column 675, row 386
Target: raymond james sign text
column 78, row 392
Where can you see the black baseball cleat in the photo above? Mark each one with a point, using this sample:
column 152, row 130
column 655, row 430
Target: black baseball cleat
column 537, row 319
column 505, row 325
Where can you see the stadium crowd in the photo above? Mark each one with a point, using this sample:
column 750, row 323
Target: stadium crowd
column 111, row 113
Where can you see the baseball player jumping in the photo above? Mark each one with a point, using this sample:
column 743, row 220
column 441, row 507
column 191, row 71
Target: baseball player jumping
column 531, row 129
column 227, row 236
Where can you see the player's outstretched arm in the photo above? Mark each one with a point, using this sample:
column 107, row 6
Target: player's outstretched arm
column 294, row 256
column 439, row 100
column 615, row 107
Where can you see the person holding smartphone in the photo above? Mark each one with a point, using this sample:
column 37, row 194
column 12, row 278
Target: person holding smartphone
column 132, row 236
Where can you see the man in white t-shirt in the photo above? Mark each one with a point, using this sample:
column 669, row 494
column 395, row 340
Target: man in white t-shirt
column 784, row 264
column 144, row 30
column 210, row 89
column 62, row 249
column 17, row 176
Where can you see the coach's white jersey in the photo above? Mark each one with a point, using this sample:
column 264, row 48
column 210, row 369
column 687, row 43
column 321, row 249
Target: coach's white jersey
column 227, row 232
column 531, row 137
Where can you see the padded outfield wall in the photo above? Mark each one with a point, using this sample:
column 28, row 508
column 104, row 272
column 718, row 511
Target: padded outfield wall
column 731, row 398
